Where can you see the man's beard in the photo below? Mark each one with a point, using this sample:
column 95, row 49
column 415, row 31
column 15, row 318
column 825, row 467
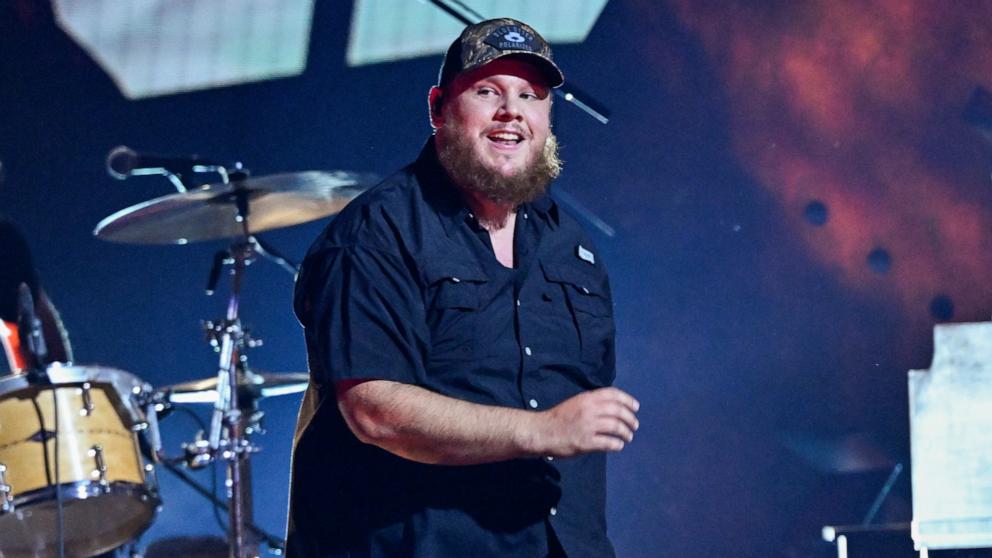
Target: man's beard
column 468, row 172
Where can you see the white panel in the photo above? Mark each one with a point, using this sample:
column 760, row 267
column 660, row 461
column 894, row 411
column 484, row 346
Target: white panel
column 155, row 47
column 950, row 415
column 386, row 30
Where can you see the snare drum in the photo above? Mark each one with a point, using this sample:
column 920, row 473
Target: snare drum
column 109, row 495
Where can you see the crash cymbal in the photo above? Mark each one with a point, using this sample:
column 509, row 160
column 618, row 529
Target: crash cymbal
column 210, row 212
column 260, row 384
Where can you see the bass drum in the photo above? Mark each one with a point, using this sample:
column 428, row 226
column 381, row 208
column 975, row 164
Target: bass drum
column 109, row 496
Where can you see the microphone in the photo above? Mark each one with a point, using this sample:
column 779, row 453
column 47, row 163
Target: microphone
column 122, row 162
column 29, row 330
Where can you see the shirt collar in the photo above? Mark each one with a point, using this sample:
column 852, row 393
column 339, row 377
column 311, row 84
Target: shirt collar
column 547, row 208
column 443, row 195
column 438, row 190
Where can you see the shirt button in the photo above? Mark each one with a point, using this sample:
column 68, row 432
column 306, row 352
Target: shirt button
column 527, row 351
column 532, row 403
column 455, row 280
column 550, row 458
column 554, row 511
column 518, row 302
column 585, row 290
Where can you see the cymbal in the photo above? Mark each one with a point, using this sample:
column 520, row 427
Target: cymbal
column 260, row 384
column 210, row 212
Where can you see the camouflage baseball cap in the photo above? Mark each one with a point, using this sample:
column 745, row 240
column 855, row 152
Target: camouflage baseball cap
column 483, row 42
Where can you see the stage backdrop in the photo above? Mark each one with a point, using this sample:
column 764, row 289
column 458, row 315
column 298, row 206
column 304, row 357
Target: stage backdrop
column 799, row 192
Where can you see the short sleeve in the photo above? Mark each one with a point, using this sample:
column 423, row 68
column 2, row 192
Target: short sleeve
column 363, row 314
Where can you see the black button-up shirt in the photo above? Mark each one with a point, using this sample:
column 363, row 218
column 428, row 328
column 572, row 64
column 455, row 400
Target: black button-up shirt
column 404, row 286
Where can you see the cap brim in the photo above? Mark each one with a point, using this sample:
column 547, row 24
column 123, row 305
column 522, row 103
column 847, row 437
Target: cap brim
column 550, row 70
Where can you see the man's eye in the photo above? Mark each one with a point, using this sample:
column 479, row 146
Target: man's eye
column 485, row 92
column 528, row 96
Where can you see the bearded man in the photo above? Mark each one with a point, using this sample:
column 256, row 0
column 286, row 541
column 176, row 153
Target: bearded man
column 460, row 340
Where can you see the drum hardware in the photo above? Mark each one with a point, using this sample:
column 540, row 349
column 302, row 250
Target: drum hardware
column 214, row 334
column 273, row 255
column 100, row 471
column 236, row 414
column 237, row 209
column 227, row 208
column 276, row 544
column 227, row 436
column 198, row 453
column 154, row 406
column 260, row 385
column 88, row 407
column 6, row 498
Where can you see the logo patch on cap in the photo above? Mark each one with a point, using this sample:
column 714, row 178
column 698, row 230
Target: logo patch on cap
column 512, row 37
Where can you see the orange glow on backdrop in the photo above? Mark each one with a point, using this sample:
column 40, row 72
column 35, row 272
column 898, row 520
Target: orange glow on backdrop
column 858, row 104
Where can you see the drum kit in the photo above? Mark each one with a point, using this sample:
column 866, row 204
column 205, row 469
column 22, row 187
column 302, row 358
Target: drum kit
column 80, row 445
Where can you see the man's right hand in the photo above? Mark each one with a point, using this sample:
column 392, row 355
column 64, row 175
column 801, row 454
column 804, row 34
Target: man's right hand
column 600, row 420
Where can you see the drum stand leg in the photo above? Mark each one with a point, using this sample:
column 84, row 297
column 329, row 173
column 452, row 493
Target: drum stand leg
column 244, row 543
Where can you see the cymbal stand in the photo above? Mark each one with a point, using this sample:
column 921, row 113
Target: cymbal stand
column 232, row 419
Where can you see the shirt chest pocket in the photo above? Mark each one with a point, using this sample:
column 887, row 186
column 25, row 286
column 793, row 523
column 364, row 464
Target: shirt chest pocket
column 587, row 299
column 453, row 300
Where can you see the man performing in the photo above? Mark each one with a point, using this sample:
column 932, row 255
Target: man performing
column 460, row 340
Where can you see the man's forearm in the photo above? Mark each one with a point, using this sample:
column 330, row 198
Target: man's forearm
column 424, row 426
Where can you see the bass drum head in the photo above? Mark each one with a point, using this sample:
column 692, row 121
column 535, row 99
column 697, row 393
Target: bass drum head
column 92, row 525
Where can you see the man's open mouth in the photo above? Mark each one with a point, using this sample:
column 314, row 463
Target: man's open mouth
column 505, row 138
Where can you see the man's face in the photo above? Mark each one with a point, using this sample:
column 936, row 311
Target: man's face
column 500, row 111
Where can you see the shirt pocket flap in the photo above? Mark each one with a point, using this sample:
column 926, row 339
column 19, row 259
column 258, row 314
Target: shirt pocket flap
column 586, row 292
column 455, row 285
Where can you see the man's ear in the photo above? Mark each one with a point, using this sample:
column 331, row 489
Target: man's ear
column 434, row 100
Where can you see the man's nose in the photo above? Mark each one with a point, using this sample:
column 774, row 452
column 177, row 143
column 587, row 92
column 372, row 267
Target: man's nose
column 509, row 110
